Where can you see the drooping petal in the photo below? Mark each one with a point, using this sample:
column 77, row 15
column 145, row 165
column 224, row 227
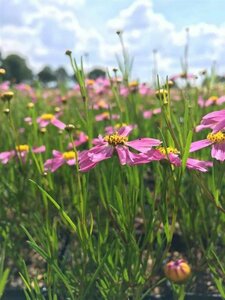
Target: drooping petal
column 6, row 156
column 219, row 126
column 99, row 153
column 58, row 123
column 85, row 164
column 143, row 144
column 218, row 151
column 71, row 162
column 53, row 164
column 199, row 165
column 174, row 159
column 39, row 149
column 42, row 123
column 122, row 154
column 199, row 145
column 57, row 153
column 125, row 130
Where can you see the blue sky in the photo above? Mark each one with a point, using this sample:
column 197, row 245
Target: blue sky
column 41, row 31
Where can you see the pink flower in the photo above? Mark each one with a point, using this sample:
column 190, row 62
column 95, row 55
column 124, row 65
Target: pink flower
column 124, row 91
column 216, row 140
column 101, row 104
column 60, row 159
column 172, row 155
column 147, row 114
column 105, row 147
column 20, row 152
column 112, row 129
column 4, row 86
column 46, row 119
column 183, row 76
column 106, row 116
column 214, row 120
column 81, row 138
column 213, row 100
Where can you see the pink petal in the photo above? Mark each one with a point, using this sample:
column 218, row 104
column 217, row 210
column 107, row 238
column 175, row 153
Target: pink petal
column 86, row 164
column 199, row 145
column 6, row 156
column 57, row 154
column 71, row 162
column 42, row 123
column 125, row 130
column 99, row 153
column 218, row 151
column 53, row 164
column 199, row 165
column 39, row 149
column 143, row 144
column 58, row 123
column 174, row 159
column 219, row 126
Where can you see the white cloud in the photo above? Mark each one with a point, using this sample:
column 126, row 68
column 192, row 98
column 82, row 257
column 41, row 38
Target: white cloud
column 43, row 30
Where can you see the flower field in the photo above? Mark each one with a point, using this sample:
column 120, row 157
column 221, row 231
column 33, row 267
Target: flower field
column 113, row 189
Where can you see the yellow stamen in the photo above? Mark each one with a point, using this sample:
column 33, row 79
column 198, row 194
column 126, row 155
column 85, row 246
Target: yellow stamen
column 168, row 150
column 115, row 139
column 47, row 117
column 22, row 148
column 69, row 155
column 217, row 138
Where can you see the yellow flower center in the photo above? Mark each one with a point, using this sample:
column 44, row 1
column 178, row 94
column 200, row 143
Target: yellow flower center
column 101, row 103
column 47, row 117
column 133, row 84
column 21, row 148
column 69, row 155
column 217, row 138
column 213, row 98
column 115, row 139
column 105, row 114
column 168, row 150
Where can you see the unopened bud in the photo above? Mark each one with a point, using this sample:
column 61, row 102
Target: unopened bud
column 43, row 130
column 2, row 71
column 7, row 96
column 161, row 93
column 57, row 109
column 69, row 127
column 6, row 111
column 30, row 105
column 177, row 271
column 68, row 52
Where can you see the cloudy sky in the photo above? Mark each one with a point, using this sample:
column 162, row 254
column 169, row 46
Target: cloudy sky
column 41, row 31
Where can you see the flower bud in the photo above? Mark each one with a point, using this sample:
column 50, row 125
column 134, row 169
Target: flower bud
column 68, row 52
column 161, row 92
column 177, row 271
column 69, row 127
column 43, row 130
column 6, row 111
column 30, row 105
column 7, row 96
column 2, row 71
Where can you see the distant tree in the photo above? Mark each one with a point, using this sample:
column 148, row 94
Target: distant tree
column 16, row 69
column 46, row 75
column 61, row 75
column 96, row 73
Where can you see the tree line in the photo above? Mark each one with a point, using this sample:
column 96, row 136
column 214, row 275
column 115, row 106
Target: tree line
column 17, row 71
